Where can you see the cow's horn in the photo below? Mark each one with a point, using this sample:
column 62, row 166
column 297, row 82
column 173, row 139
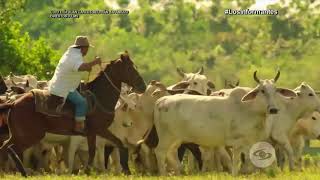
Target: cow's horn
column 277, row 76
column 238, row 82
column 255, row 77
column 201, row 70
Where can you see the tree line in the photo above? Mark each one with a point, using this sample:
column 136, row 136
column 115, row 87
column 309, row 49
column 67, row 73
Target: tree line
column 161, row 39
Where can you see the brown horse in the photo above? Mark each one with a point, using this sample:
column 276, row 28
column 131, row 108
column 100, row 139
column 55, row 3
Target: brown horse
column 28, row 127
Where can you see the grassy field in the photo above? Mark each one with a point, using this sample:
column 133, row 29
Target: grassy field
column 311, row 171
column 308, row 174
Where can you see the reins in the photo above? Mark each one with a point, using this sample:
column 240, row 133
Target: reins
column 113, row 85
column 110, row 81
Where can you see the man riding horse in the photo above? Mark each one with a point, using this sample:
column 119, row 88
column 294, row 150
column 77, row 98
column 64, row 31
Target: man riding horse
column 67, row 78
column 30, row 118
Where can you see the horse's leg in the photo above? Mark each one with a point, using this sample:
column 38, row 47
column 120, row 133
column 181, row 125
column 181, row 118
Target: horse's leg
column 124, row 158
column 122, row 150
column 12, row 151
column 15, row 146
column 111, row 137
column 92, row 150
column 107, row 151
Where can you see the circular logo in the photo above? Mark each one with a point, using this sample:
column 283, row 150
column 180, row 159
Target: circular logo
column 262, row 154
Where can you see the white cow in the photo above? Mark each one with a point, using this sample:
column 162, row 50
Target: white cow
column 307, row 127
column 13, row 79
column 196, row 81
column 291, row 110
column 139, row 118
column 119, row 128
column 218, row 159
column 148, row 156
column 17, row 86
column 211, row 121
column 40, row 157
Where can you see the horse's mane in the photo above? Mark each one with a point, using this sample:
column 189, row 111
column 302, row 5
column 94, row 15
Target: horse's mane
column 100, row 74
column 101, row 85
column 122, row 57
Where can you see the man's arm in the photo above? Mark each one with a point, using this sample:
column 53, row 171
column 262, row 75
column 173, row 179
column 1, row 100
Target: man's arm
column 88, row 66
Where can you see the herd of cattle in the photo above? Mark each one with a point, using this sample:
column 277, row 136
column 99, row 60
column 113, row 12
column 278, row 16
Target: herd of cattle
column 217, row 126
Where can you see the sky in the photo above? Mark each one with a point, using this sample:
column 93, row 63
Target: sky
column 260, row 4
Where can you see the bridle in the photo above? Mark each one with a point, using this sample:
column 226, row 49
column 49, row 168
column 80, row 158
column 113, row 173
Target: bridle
column 114, row 86
column 110, row 81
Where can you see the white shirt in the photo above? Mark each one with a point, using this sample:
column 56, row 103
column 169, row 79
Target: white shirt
column 66, row 77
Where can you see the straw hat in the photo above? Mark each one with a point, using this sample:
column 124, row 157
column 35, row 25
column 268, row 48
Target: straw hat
column 81, row 41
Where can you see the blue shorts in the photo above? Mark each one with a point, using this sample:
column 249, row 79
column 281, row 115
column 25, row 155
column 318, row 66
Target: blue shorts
column 80, row 103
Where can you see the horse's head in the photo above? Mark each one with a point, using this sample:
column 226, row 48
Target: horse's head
column 127, row 73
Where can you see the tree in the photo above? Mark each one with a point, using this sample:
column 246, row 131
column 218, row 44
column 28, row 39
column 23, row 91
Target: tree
column 19, row 53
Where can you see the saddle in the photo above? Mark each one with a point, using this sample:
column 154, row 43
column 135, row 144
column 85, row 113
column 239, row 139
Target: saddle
column 52, row 105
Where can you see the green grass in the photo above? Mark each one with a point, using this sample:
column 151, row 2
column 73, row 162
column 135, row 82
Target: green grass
column 308, row 174
column 311, row 171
